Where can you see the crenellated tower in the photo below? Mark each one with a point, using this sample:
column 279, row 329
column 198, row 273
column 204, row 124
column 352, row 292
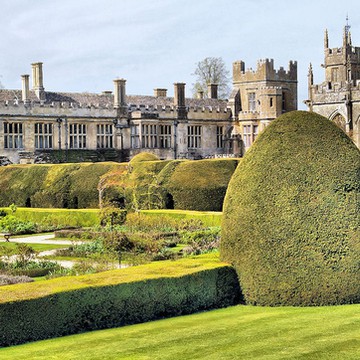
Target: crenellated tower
column 259, row 96
column 338, row 96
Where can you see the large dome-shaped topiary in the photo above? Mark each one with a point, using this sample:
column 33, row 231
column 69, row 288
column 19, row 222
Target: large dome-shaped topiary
column 291, row 217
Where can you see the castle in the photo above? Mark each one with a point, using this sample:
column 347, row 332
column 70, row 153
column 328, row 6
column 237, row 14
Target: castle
column 40, row 126
column 338, row 97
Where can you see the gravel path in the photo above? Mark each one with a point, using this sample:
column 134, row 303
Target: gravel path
column 40, row 239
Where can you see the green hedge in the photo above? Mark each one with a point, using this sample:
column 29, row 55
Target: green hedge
column 59, row 218
column 55, row 186
column 208, row 218
column 291, row 223
column 62, row 306
column 196, row 185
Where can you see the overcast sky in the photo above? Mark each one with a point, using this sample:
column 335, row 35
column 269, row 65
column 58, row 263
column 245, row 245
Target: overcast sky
column 85, row 44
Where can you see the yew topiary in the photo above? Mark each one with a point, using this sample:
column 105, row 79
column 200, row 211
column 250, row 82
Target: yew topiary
column 291, row 222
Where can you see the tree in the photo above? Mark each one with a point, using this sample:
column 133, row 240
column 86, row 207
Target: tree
column 212, row 70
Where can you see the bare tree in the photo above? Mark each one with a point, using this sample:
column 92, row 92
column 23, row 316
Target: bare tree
column 212, row 70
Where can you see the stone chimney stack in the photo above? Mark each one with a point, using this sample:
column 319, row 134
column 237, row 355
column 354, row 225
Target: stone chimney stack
column 37, row 75
column 25, row 88
column 179, row 100
column 120, row 96
column 200, row 94
column 160, row 92
column 212, row 91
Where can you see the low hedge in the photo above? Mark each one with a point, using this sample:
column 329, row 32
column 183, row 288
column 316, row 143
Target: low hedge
column 62, row 306
column 208, row 218
column 59, row 218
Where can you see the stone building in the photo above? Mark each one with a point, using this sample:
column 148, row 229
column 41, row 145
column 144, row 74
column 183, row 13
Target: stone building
column 338, row 97
column 260, row 96
column 42, row 126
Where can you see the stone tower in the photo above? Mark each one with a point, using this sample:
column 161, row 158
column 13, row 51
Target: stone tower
column 338, row 97
column 260, row 96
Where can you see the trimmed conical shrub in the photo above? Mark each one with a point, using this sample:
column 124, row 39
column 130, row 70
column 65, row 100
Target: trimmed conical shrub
column 291, row 215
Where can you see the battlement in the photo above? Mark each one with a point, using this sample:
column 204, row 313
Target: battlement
column 16, row 107
column 264, row 71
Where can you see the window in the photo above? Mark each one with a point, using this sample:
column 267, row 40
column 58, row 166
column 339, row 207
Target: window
column 104, row 137
column 149, row 136
column 134, row 132
column 194, row 137
column 13, row 135
column 250, row 133
column 220, row 137
column 283, row 102
column 77, row 136
column 165, row 136
column 43, row 136
column 252, row 101
column 271, row 102
column 247, row 135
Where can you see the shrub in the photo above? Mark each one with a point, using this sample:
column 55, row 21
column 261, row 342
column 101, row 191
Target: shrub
column 196, row 185
column 291, row 222
column 162, row 289
column 13, row 225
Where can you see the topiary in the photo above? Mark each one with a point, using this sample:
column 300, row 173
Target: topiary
column 143, row 156
column 291, row 223
column 197, row 185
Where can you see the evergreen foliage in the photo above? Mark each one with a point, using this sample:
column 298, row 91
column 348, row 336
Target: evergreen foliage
column 64, row 306
column 197, row 185
column 52, row 186
column 291, row 223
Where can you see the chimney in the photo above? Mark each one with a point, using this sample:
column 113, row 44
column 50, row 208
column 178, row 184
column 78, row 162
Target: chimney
column 120, row 96
column 212, row 91
column 37, row 75
column 25, row 88
column 179, row 100
column 160, row 92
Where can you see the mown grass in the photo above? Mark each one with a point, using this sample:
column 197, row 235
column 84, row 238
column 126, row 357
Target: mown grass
column 240, row 332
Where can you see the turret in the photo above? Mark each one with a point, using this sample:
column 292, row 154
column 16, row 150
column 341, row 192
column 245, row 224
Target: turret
column 326, row 40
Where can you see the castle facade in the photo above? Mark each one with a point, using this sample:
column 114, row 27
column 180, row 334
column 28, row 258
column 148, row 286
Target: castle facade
column 38, row 126
column 338, row 96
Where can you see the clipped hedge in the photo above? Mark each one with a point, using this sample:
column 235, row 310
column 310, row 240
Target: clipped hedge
column 62, row 306
column 52, row 186
column 59, row 218
column 291, row 223
column 197, row 185
column 208, row 218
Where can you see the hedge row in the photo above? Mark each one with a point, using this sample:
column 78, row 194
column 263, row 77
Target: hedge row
column 58, row 307
column 208, row 218
column 178, row 184
column 59, row 218
column 52, row 186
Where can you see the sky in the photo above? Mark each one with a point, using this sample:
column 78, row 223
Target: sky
column 85, row 44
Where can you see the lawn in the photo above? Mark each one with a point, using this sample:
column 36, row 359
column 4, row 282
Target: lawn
column 240, row 332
